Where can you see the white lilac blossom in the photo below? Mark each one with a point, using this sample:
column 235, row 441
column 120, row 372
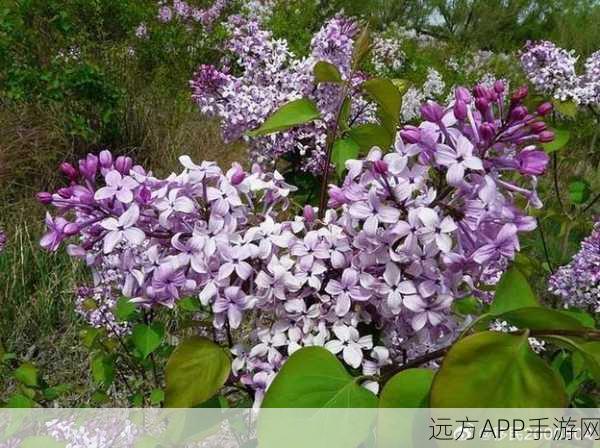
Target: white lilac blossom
column 578, row 283
column 387, row 55
column 141, row 32
column 270, row 77
column 537, row 345
column 552, row 71
column 434, row 85
column 432, row 89
column 405, row 235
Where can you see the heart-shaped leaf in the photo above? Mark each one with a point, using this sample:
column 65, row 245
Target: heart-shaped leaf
column 343, row 150
column 27, row 374
column 407, row 389
column 538, row 318
column 369, row 135
column 326, row 72
column 579, row 191
column 496, row 370
column 513, row 292
column 196, row 370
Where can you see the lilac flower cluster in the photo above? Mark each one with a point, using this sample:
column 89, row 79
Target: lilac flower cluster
column 432, row 88
column 182, row 11
column 578, row 283
column 270, row 77
column 552, row 70
column 96, row 305
column 3, row 240
column 405, row 235
column 387, row 55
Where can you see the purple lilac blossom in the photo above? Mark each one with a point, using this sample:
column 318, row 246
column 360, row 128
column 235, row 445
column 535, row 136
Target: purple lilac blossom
column 3, row 240
column 183, row 12
column 406, row 234
column 578, row 283
column 270, row 77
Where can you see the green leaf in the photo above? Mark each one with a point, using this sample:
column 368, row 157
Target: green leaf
column 41, row 442
column 407, row 389
column 538, row 318
column 513, row 292
column 369, row 135
column 584, row 318
column 189, row 304
column 103, row 369
column 343, row 150
column 387, row 96
column 467, row 306
column 561, row 138
column 292, row 114
column 579, row 191
column 90, row 336
column 20, row 401
column 567, row 108
column 362, row 46
column 314, row 378
column 196, row 370
column 496, row 370
column 147, row 338
column 584, row 355
column 157, row 396
column 326, row 72
column 125, row 309
column 52, row 393
column 27, row 374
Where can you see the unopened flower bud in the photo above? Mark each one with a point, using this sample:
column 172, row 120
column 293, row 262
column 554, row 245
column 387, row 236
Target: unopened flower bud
column 308, row 213
column 123, row 164
column 65, row 192
column 68, row 170
column 71, row 229
column 546, row 136
column 460, row 110
column 88, row 166
column 519, row 94
column 410, row 134
column 44, row 197
column 532, row 162
column 380, row 167
column 482, row 105
column 106, row 159
column 499, row 86
column 462, row 94
column 537, row 126
column 544, row 108
column 238, row 177
column 518, row 113
column 487, row 131
column 432, row 111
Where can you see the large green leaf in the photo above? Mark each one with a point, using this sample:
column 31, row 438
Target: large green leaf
column 343, row 150
column 196, row 370
column 292, row 114
column 496, row 370
column 513, row 292
column 369, row 135
column 561, row 138
column 125, row 309
column 103, row 369
column 314, row 378
column 147, row 338
column 386, row 95
column 326, row 72
column 538, row 318
column 407, row 389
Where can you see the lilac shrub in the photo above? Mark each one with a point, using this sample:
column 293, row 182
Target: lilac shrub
column 578, row 283
column 179, row 10
column 263, row 75
column 405, row 235
column 551, row 70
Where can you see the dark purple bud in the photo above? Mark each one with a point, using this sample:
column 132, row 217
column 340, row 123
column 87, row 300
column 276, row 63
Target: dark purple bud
column 89, row 166
column 432, row 111
column 537, row 126
column 480, row 91
column 71, row 229
column 487, row 131
column 65, row 192
column 106, row 159
column 462, row 94
column 308, row 213
column 123, row 164
column 519, row 94
column 546, row 136
column 460, row 110
column 44, row 197
column 482, row 105
column 499, row 86
column 410, row 134
column 380, row 167
column 518, row 113
column 544, row 108
column 532, row 162
column 68, row 170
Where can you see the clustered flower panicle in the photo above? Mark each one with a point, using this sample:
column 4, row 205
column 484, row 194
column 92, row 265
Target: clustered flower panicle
column 406, row 234
column 578, row 283
column 551, row 70
column 270, row 76
column 184, row 12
